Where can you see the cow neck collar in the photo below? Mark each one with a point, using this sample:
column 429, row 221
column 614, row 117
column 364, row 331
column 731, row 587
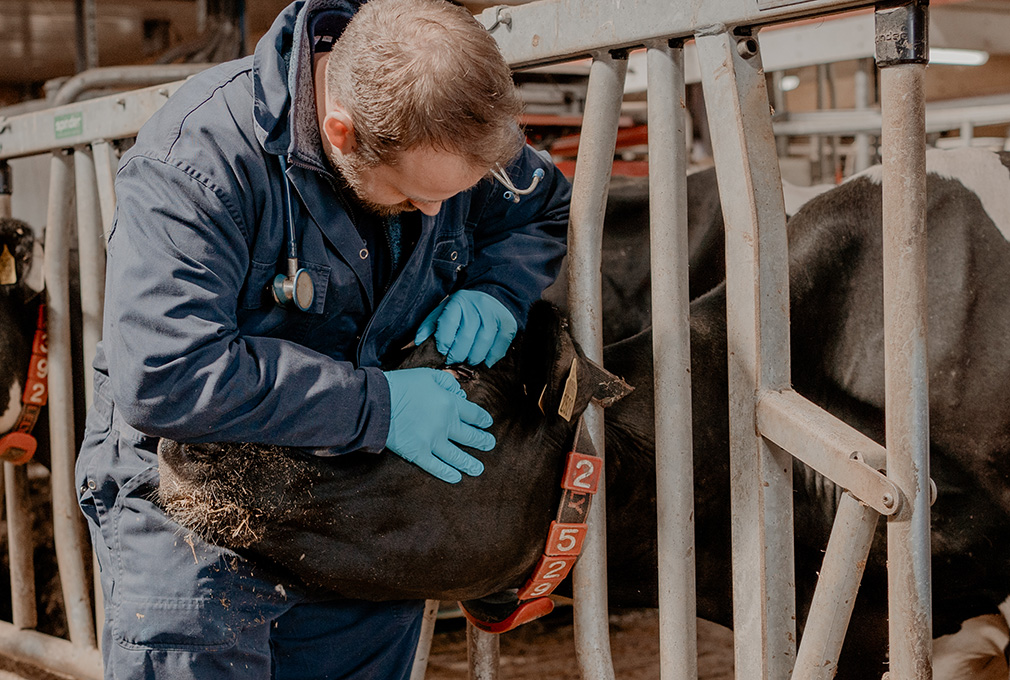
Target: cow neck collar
column 565, row 537
column 18, row 445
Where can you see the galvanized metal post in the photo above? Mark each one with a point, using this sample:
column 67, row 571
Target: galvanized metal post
column 68, row 528
column 423, row 652
column 20, row 546
column 757, row 287
column 91, row 257
column 482, row 653
column 106, row 162
column 671, row 348
column 902, row 51
column 593, row 166
column 861, row 142
column 837, row 585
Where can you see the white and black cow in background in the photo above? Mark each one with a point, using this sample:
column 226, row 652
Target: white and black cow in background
column 836, row 312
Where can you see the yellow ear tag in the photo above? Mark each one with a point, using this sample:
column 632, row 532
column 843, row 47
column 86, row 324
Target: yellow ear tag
column 8, row 268
column 571, row 389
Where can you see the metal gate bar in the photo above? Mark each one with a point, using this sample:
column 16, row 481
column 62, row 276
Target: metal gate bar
column 671, row 347
column 91, row 256
column 757, row 290
column 68, row 529
column 835, row 595
column 20, row 546
column 906, row 403
column 585, row 298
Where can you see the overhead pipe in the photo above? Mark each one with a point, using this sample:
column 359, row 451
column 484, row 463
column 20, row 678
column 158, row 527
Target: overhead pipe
column 126, row 77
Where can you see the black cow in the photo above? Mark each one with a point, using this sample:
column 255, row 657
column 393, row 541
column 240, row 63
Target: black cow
column 836, row 310
column 375, row 526
column 20, row 283
column 626, row 279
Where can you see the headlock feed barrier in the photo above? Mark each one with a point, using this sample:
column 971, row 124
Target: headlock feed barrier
column 770, row 423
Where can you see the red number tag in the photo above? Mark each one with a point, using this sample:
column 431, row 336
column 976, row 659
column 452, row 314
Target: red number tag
column 549, row 573
column 582, row 473
column 565, row 539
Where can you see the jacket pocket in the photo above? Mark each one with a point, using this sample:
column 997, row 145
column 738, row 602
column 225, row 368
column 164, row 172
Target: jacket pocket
column 172, row 624
column 256, row 293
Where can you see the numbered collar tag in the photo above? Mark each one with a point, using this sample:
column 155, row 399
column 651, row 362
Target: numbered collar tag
column 568, row 531
column 18, row 446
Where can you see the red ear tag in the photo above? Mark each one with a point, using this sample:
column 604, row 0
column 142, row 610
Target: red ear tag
column 549, row 573
column 582, row 473
column 565, row 539
column 17, row 447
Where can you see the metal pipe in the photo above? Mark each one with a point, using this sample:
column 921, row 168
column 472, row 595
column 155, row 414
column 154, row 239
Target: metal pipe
column 671, row 349
column 967, row 133
column 482, row 652
column 757, row 309
column 106, row 162
column 423, row 652
column 861, row 83
column 835, row 595
column 585, row 242
column 87, row 34
column 91, row 256
column 50, row 653
column 20, row 546
column 124, row 77
column 906, row 403
column 902, row 51
column 68, row 528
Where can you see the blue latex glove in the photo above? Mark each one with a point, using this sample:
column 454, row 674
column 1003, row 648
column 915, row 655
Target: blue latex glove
column 428, row 411
column 470, row 326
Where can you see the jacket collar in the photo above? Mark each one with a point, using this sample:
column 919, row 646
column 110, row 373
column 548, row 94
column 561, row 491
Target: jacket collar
column 285, row 108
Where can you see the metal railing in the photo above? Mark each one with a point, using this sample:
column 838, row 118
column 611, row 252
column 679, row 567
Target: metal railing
column 768, row 421
column 79, row 140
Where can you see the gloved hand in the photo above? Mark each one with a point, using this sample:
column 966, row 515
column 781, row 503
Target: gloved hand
column 470, row 326
column 428, row 409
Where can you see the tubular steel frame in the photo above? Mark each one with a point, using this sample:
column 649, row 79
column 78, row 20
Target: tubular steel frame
column 765, row 414
column 768, row 420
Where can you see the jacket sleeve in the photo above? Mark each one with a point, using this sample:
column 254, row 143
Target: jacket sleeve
column 518, row 247
column 178, row 257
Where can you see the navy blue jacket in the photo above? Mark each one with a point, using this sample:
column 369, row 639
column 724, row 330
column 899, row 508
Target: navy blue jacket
column 194, row 348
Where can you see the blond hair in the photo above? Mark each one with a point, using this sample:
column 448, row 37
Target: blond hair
column 416, row 73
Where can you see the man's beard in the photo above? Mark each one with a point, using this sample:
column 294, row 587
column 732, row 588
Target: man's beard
column 350, row 166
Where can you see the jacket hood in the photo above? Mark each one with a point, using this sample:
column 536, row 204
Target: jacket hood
column 285, row 109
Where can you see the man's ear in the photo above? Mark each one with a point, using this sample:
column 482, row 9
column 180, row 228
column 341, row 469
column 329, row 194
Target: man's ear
column 338, row 128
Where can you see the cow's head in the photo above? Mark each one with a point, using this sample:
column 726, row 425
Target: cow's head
column 377, row 527
column 20, row 283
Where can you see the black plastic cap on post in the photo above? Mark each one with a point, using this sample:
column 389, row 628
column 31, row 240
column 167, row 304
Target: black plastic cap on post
column 902, row 33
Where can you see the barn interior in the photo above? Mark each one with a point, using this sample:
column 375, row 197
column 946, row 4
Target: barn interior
column 823, row 85
column 821, row 78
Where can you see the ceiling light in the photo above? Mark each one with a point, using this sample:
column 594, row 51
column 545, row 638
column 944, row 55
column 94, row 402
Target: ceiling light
column 789, row 83
column 942, row 55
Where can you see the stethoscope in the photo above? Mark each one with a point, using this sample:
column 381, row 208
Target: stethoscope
column 513, row 193
column 296, row 287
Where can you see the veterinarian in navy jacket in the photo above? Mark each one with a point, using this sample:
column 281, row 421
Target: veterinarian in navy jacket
column 195, row 349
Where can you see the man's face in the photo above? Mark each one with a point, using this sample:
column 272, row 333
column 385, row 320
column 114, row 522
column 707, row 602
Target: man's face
column 420, row 180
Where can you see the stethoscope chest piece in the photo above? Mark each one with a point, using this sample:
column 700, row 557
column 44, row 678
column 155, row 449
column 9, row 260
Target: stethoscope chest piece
column 293, row 289
column 296, row 287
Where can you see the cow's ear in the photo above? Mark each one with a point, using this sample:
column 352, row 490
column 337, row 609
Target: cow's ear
column 556, row 375
column 21, row 260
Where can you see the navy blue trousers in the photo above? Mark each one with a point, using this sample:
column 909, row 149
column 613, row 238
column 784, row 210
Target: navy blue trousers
column 178, row 608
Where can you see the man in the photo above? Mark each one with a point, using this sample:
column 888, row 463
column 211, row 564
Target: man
column 284, row 224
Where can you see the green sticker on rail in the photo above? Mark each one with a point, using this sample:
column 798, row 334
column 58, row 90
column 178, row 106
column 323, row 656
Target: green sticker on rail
column 68, row 125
